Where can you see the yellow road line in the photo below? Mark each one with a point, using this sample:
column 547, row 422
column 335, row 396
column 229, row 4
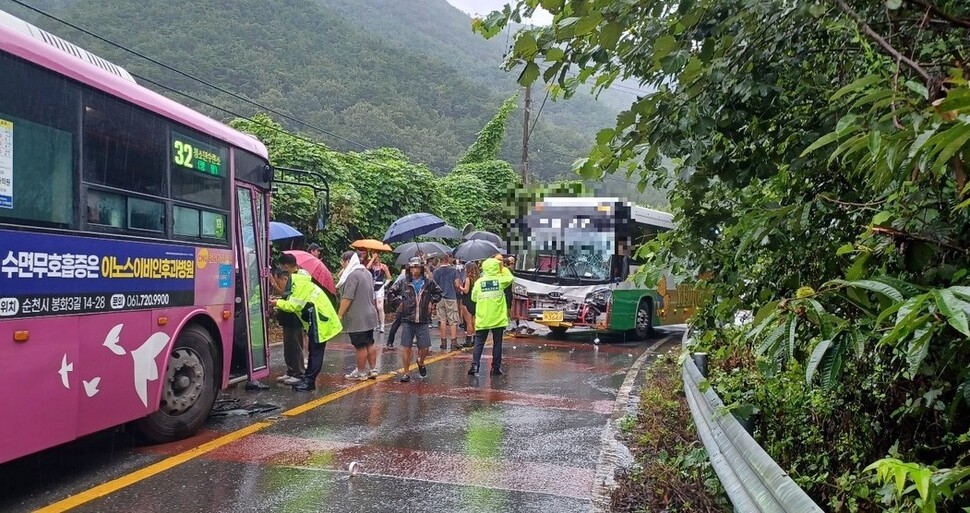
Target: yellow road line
column 126, row 480
column 129, row 479
column 303, row 408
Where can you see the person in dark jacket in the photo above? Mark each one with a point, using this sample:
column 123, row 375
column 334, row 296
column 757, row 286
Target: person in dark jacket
column 418, row 292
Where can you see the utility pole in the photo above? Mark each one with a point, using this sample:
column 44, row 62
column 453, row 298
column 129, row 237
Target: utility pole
column 525, row 133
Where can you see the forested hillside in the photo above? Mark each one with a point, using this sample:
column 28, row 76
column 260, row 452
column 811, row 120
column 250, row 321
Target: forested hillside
column 409, row 75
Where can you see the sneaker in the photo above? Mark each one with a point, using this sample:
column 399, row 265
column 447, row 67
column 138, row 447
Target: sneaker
column 381, row 329
column 443, row 346
column 373, row 374
column 473, row 371
column 496, row 371
column 405, row 378
column 356, row 375
column 423, row 371
column 292, row 380
column 283, row 378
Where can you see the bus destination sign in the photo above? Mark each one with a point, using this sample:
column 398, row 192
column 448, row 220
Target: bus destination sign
column 192, row 154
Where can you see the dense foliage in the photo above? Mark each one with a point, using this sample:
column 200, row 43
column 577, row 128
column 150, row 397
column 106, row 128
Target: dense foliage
column 816, row 152
column 409, row 75
column 369, row 190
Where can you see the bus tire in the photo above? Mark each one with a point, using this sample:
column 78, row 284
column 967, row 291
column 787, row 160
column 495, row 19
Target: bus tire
column 644, row 320
column 189, row 389
column 557, row 332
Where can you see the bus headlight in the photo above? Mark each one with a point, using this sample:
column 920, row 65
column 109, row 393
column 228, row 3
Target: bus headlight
column 519, row 290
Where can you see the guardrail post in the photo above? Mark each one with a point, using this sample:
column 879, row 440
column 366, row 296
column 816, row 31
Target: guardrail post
column 700, row 360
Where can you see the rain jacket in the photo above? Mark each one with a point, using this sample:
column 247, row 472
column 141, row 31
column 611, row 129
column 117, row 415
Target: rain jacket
column 488, row 293
column 303, row 292
column 416, row 307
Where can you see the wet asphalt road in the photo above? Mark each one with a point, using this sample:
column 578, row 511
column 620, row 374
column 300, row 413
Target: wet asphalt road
column 525, row 441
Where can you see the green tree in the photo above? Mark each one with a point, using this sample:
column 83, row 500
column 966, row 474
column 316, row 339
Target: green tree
column 488, row 143
column 815, row 152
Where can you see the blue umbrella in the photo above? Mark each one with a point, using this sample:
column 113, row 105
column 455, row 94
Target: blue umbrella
column 411, row 226
column 278, row 231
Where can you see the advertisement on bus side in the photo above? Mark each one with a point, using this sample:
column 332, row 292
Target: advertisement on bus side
column 43, row 274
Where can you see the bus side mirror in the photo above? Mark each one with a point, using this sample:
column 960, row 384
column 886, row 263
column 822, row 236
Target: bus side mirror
column 323, row 215
column 267, row 173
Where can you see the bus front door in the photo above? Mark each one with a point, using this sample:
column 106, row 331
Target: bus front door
column 250, row 354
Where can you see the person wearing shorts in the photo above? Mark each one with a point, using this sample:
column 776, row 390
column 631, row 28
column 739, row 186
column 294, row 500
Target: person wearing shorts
column 418, row 292
column 381, row 275
column 358, row 314
column 445, row 276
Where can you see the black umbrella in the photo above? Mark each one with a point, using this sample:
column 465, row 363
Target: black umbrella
column 411, row 226
column 407, row 251
column 483, row 235
column 445, row 232
column 476, row 250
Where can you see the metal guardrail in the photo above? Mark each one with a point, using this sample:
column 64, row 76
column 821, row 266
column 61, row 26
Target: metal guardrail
column 753, row 481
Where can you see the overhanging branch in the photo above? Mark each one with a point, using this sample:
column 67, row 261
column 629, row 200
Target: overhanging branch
column 881, row 41
column 939, row 14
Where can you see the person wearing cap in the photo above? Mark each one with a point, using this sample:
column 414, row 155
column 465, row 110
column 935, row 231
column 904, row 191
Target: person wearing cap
column 314, row 249
column 491, row 312
column 418, row 292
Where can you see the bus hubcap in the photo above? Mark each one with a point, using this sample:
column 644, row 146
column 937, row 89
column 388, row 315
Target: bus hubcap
column 186, row 380
column 643, row 319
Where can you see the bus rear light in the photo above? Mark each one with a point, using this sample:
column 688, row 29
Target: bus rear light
column 162, row 321
column 21, row 336
column 226, row 314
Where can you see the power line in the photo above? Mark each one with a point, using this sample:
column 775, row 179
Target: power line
column 189, row 76
column 536, row 121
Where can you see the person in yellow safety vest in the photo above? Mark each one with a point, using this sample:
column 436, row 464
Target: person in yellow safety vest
column 316, row 313
column 491, row 312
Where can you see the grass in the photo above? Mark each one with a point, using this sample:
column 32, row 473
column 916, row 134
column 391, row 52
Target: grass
column 672, row 472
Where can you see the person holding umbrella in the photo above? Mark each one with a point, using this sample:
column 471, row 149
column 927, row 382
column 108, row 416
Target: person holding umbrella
column 381, row 275
column 491, row 312
column 418, row 293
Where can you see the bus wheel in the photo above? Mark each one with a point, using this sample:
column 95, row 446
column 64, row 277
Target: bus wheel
column 644, row 321
column 189, row 389
column 557, row 332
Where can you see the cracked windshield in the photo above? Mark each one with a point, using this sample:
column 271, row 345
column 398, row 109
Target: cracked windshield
column 670, row 256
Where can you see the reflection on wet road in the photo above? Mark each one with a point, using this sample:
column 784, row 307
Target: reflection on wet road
column 524, row 441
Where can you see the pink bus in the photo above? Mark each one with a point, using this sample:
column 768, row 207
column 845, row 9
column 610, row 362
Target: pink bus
column 133, row 245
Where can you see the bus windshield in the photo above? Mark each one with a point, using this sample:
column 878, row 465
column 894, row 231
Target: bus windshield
column 568, row 243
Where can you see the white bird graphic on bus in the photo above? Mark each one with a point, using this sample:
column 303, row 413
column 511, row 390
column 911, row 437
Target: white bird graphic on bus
column 146, row 369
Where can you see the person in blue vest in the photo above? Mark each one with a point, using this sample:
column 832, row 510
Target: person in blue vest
column 316, row 313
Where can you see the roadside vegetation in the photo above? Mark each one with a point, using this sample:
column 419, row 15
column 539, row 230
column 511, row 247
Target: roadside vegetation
column 672, row 472
column 817, row 152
